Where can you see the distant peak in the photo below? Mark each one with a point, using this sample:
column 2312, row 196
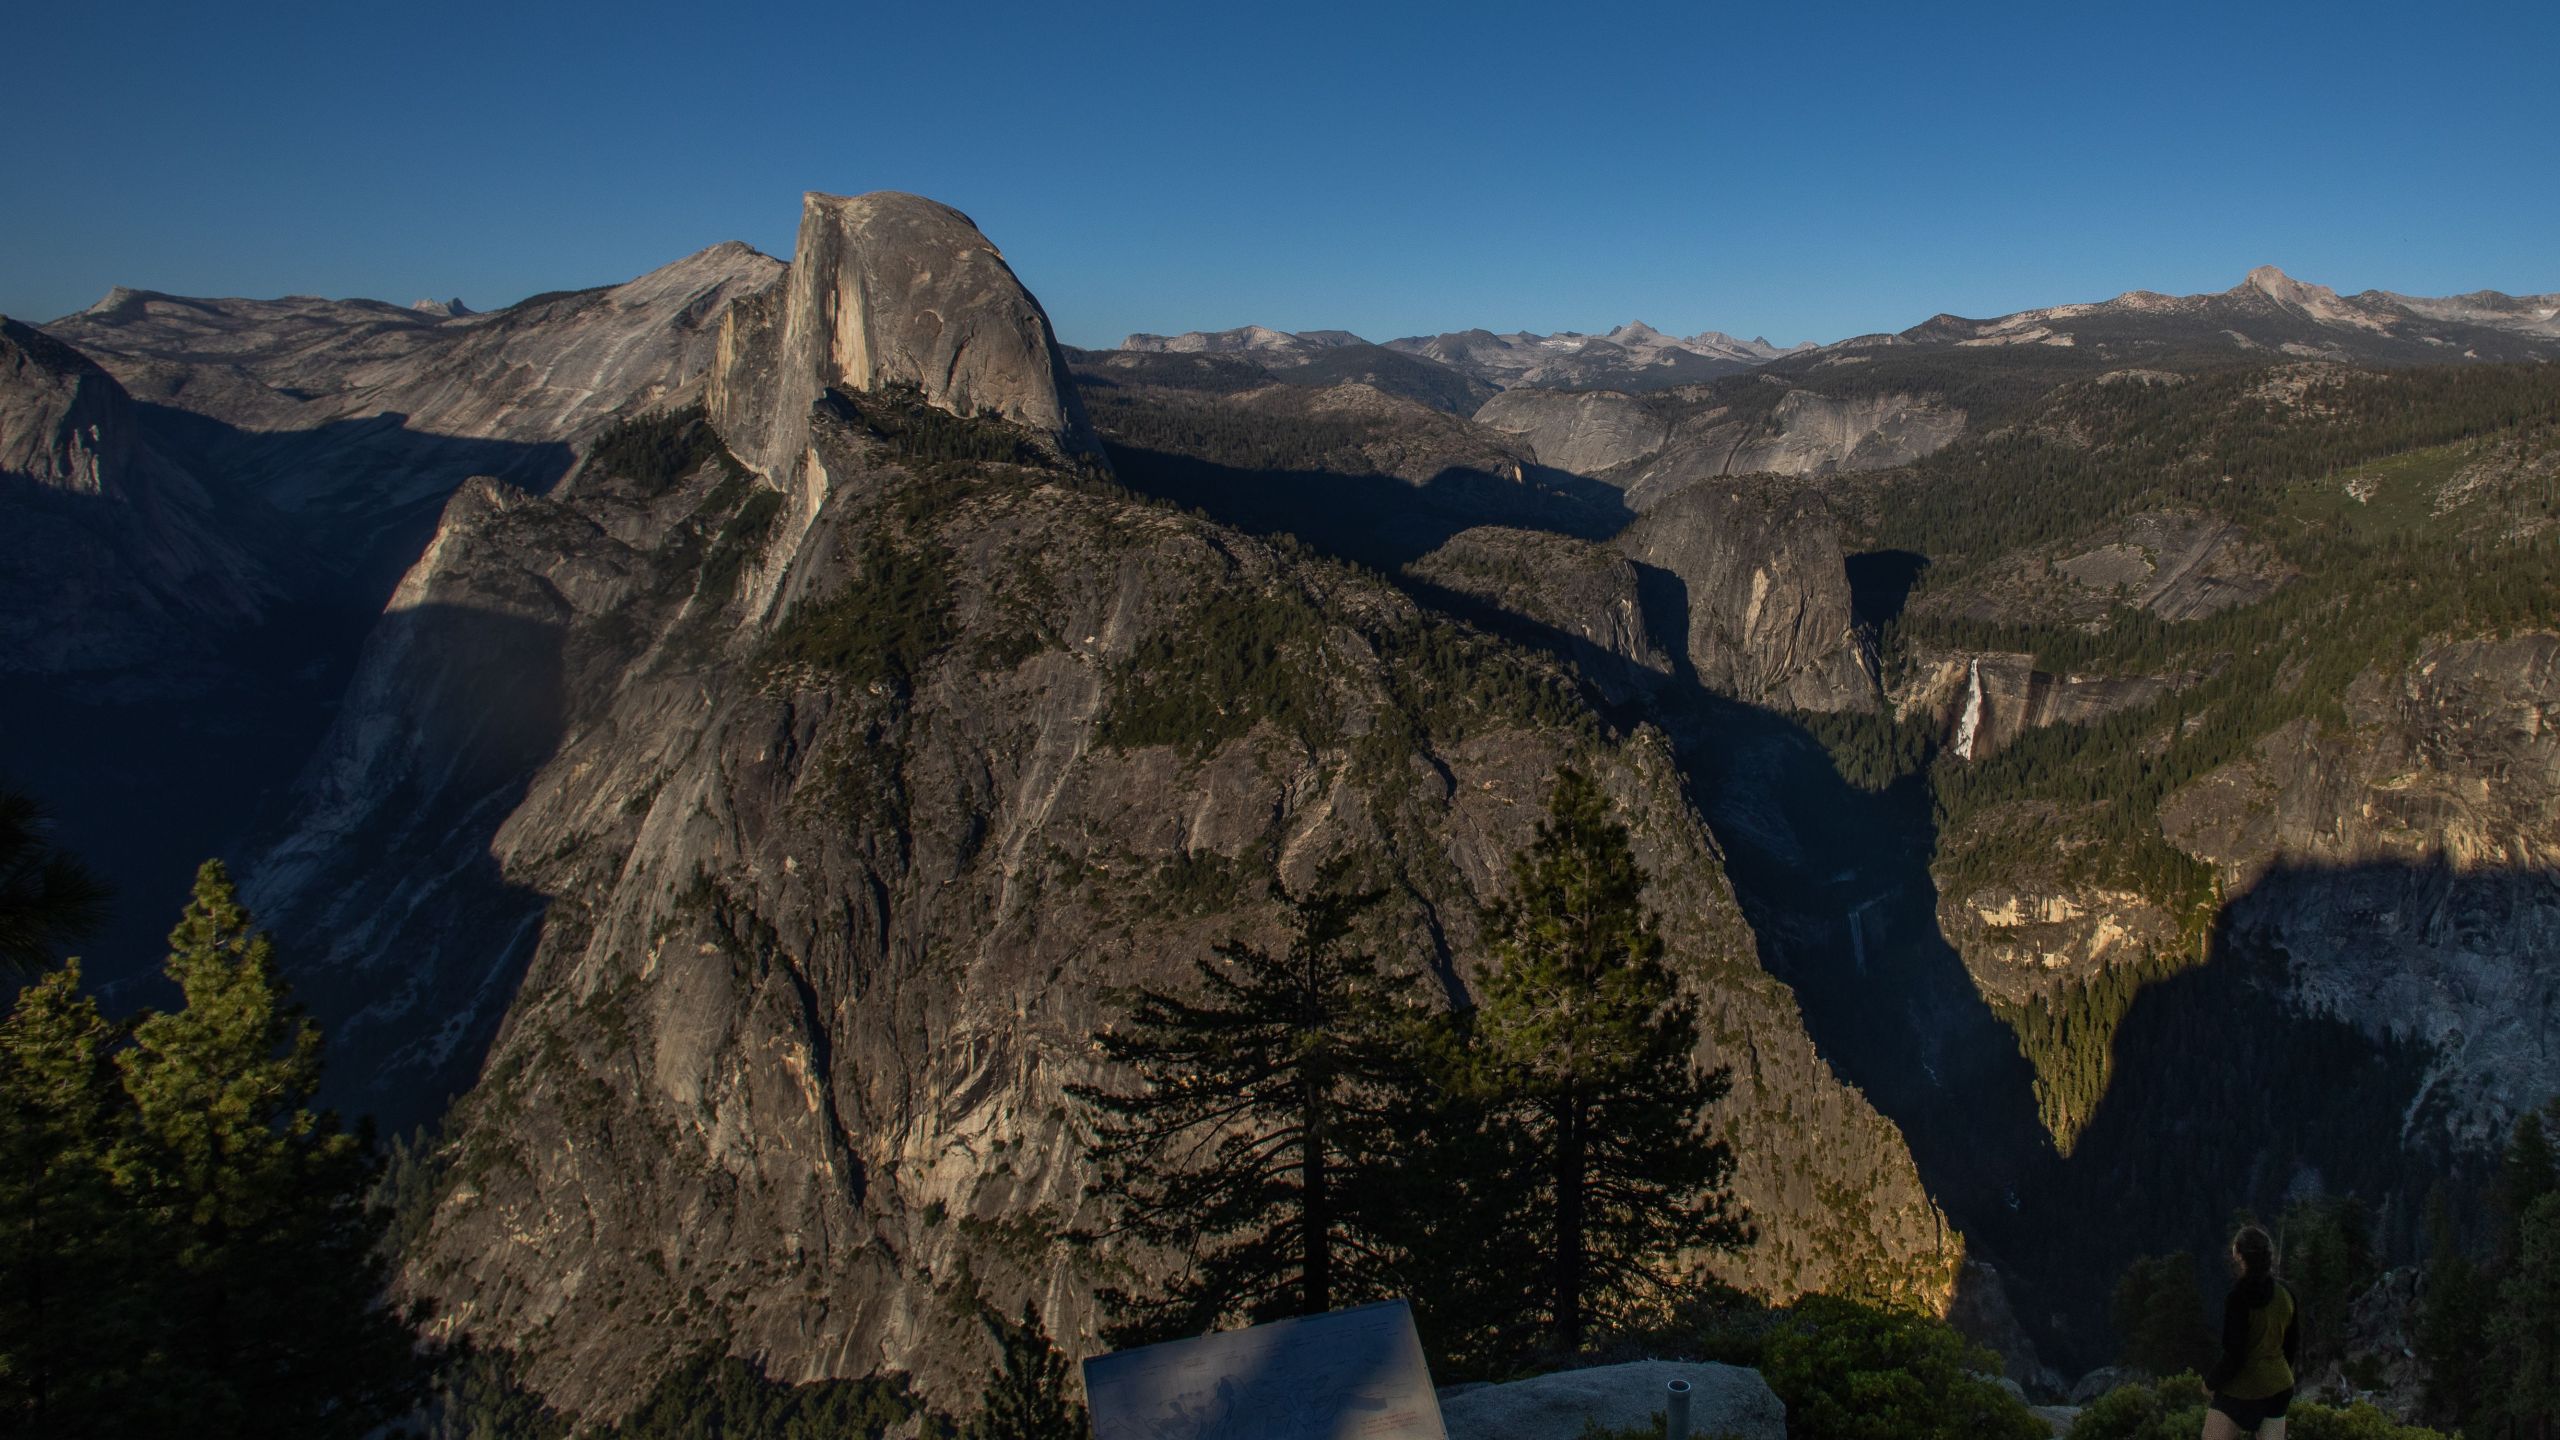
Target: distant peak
column 449, row 309
column 2276, row 285
column 119, row 299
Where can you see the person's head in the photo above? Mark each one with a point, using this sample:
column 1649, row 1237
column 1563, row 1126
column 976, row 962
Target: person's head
column 2253, row 1252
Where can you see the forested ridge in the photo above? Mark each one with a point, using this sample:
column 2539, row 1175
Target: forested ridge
column 2389, row 510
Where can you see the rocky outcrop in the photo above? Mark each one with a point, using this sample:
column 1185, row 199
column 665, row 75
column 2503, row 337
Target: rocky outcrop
column 1979, row 703
column 1585, row 594
column 1654, row 446
column 890, row 290
column 1586, row 431
column 2403, row 863
column 351, row 417
column 816, row 953
column 770, row 919
column 1805, row 434
column 2022, row 942
column 2176, row 564
column 1765, row 593
column 111, row 554
column 1724, row 1400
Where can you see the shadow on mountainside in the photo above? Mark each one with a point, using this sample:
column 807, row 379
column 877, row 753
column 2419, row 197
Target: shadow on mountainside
column 1376, row 520
column 2226, row 1094
column 381, row 884
column 359, row 496
column 150, row 767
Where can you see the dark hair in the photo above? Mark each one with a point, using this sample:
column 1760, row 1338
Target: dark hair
column 2256, row 1251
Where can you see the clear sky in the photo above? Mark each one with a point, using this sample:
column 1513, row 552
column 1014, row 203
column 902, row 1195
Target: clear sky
column 1802, row 170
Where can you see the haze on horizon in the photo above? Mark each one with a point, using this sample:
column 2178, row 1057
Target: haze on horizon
column 1385, row 170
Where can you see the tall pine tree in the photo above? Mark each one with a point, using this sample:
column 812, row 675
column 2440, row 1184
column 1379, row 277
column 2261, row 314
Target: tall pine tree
column 74, row 1293
column 2453, row 1320
column 269, row 1273
column 1257, row 1141
column 2525, row 1333
column 1584, row 1024
column 1027, row 1397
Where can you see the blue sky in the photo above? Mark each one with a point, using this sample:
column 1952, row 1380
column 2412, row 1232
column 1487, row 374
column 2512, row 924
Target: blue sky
column 1804, row 171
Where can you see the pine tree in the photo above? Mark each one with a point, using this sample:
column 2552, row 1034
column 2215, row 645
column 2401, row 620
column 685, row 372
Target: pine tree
column 2525, row 1332
column 71, row 1285
column 2328, row 1261
column 1584, row 1023
column 46, row 898
column 2452, row 1333
column 269, row 1321
column 2159, row 1313
column 1258, row 1141
column 1027, row 1397
column 2525, row 1174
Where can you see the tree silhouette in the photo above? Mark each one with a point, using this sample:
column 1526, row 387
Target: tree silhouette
column 1584, row 1025
column 46, row 897
column 1257, row 1141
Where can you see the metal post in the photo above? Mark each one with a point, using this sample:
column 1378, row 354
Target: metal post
column 1675, row 1419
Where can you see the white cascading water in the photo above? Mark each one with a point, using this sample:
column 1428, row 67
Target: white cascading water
column 1972, row 718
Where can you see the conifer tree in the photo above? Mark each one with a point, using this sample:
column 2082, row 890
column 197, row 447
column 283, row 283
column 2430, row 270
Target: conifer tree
column 269, row 1322
column 2159, row 1313
column 1583, row 1022
column 2526, row 1173
column 2525, row 1333
column 1257, row 1141
column 46, row 897
column 72, row 1294
column 2453, row 1323
column 1027, row 1397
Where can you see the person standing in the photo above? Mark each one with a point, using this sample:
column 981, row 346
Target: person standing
column 2252, row 1382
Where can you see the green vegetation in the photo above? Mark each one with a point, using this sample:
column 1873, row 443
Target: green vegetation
column 2336, row 475
column 1305, row 1138
column 191, row 1250
column 654, row 450
column 943, row 444
column 725, row 1398
column 1851, row 1372
column 1259, row 1140
column 2328, row 1261
column 1584, row 1027
column 2159, row 1316
column 1184, row 437
column 1027, row 1397
column 2173, row 1409
column 2224, row 442
column 890, row 615
column 2069, row 1037
column 2488, row 1328
column 1233, row 659
column 1872, row 749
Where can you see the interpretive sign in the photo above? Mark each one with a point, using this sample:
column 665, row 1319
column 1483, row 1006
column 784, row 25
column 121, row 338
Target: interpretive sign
column 1348, row 1375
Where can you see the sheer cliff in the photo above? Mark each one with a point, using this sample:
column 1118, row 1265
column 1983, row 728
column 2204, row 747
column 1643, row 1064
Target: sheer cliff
column 846, row 763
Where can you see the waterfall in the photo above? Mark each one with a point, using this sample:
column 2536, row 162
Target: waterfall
column 1972, row 718
column 1858, row 935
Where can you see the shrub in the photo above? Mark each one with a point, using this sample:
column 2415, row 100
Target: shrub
column 1851, row 1372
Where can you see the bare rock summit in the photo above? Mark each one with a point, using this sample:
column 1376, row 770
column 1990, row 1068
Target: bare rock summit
column 885, row 290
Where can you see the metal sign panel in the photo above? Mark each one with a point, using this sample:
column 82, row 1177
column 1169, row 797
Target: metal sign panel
column 1347, row 1375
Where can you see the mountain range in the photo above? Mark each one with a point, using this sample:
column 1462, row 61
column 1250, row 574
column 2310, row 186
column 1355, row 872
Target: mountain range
column 711, row 746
